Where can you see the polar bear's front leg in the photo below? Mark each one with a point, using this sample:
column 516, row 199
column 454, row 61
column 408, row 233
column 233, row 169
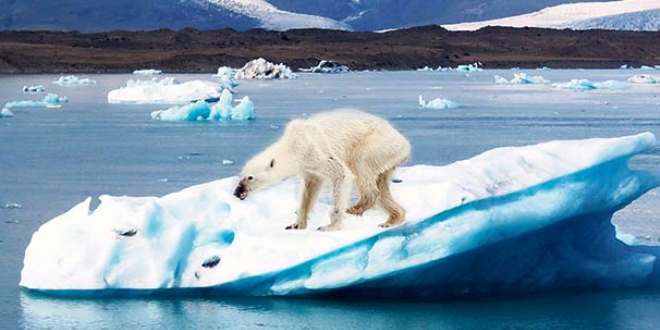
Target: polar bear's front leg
column 341, row 179
column 311, row 188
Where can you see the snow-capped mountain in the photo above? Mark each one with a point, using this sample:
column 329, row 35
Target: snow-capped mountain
column 620, row 15
column 271, row 18
column 647, row 20
column 361, row 15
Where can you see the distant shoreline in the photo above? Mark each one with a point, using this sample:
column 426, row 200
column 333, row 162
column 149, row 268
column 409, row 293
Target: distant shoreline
column 195, row 51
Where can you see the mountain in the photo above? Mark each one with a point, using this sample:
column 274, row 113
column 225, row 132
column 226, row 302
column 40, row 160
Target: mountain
column 360, row 15
column 613, row 15
column 94, row 16
column 647, row 20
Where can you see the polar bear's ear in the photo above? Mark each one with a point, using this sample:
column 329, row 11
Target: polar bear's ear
column 272, row 163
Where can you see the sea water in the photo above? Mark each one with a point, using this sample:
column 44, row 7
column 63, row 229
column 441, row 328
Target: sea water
column 52, row 159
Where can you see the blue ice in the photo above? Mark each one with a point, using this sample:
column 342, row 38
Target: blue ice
column 201, row 110
column 49, row 101
column 511, row 220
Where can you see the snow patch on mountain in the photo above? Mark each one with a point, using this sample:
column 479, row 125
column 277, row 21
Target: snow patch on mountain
column 582, row 15
column 648, row 20
column 272, row 18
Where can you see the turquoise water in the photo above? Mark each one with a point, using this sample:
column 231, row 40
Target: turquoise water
column 52, row 159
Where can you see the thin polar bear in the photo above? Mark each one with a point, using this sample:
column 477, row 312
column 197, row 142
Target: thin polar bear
column 336, row 147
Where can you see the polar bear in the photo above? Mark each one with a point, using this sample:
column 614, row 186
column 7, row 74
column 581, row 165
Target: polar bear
column 336, row 147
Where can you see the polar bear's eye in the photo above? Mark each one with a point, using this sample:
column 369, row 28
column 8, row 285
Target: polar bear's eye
column 250, row 178
column 272, row 163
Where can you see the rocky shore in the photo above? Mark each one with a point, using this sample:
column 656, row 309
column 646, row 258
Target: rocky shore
column 191, row 50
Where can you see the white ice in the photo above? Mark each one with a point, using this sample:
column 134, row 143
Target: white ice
column 644, row 79
column 49, row 101
column 586, row 84
column 521, row 79
column 226, row 77
column 6, row 113
column 327, row 67
column 261, row 69
column 505, row 202
column 201, row 110
column 565, row 15
column 148, row 72
column 437, row 104
column 74, row 81
column 166, row 90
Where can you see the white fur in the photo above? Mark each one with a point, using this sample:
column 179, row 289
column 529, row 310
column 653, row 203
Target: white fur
column 337, row 147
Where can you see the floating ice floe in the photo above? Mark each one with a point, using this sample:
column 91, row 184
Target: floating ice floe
column 511, row 220
column 226, row 76
column 6, row 113
column 460, row 68
column 425, row 69
column 328, row 67
column 148, row 72
column 74, row 81
column 521, row 79
column 49, row 101
column 586, row 84
column 34, row 89
column 262, row 69
column 437, row 104
column 204, row 111
column 644, row 79
column 166, row 90
column 469, row 67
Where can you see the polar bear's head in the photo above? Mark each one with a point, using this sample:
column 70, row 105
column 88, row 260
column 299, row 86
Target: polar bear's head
column 263, row 170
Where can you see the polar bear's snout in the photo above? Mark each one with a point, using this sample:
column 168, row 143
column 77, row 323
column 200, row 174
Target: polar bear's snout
column 240, row 192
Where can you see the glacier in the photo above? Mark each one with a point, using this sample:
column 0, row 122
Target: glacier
column 511, row 220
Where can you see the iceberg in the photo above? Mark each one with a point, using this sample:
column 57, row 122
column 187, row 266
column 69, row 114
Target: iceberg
column 586, row 84
column 474, row 67
column 6, row 113
column 510, row 220
column 328, row 67
column 437, row 104
column 74, row 81
column 148, row 72
column 49, row 101
column 166, row 90
column 204, row 111
column 644, row 79
column 262, row 69
column 226, row 76
column 521, row 79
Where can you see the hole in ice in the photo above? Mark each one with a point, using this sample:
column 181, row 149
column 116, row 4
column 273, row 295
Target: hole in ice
column 211, row 262
column 126, row 233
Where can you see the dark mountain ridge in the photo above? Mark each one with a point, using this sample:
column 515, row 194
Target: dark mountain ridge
column 191, row 50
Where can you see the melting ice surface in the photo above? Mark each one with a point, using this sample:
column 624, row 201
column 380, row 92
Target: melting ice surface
column 166, row 90
column 204, row 111
column 515, row 219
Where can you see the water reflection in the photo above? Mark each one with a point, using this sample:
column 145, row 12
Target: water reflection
column 611, row 310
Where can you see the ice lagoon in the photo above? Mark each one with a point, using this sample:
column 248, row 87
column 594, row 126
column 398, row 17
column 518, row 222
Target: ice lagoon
column 90, row 148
